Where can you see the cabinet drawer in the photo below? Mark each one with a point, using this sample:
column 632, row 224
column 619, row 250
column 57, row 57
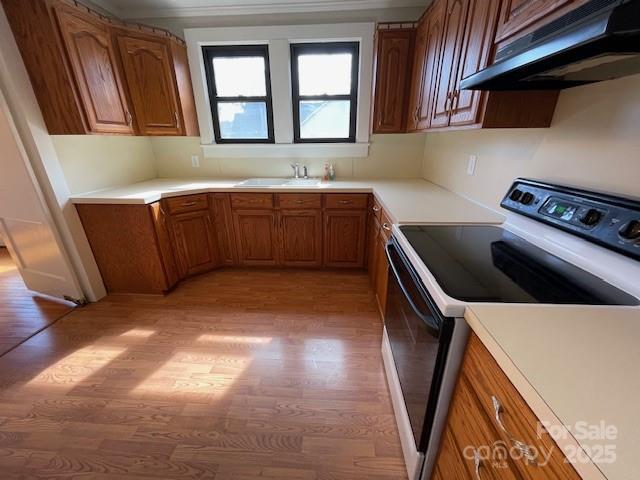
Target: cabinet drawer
column 300, row 200
column 346, row 200
column 187, row 203
column 376, row 208
column 251, row 200
column 511, row 416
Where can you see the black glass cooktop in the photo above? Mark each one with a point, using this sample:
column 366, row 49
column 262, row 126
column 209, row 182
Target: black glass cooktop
column 477, row 263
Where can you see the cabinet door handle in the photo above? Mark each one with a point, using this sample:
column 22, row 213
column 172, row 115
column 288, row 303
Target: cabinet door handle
column 129, row 118
column 477, row 462
column 386, row 227
column 522, row 447
column 376, row 208
column 175, row 114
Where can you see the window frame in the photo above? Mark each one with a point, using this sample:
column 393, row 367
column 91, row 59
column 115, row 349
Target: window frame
column 209, row 52
column 297, row 49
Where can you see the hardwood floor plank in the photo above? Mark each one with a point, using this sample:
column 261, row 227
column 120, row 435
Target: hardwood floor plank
column 236, row 375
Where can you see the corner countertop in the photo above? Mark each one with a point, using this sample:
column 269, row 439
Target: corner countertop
column 406, row 201
column 573, row 364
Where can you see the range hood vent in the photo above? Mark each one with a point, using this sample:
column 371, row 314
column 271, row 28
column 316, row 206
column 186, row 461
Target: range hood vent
column 597, row 41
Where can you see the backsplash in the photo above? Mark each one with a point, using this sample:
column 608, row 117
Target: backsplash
column 594, row 142
column 390, row 156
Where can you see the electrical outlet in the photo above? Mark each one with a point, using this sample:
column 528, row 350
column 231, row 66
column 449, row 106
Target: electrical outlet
column 471, row 164
column 195, row 161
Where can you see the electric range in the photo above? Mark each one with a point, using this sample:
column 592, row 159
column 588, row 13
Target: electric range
column 559, row 245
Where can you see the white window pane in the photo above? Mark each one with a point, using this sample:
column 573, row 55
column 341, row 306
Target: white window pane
column 324, row 119
column 325, row 74
column 242, row 120
column 240, row 76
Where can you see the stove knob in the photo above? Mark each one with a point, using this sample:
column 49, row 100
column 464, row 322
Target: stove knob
column 630, row 230
column 515, row 195
column 527, row 198
column 591, row 217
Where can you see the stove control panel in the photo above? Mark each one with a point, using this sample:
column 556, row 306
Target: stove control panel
column 610, row 221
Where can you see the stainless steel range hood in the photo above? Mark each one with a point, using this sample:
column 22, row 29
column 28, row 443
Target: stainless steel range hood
column 597, row 41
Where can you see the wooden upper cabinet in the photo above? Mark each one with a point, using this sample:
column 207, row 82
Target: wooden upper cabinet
column 301, row 238
column 92, row 57
column 445, row 87
column 425, row 65
column 147, row 68
column 87, row 80
column 477, row 46
column 344, row 238
column 194, row 242
column 394, row 56
column 516, row 15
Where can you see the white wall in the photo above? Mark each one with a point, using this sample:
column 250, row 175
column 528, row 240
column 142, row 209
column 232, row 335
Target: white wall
column 594, row 142
column 94, row 162
column 390, row 156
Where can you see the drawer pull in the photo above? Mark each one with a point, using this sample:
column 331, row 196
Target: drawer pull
column 299, row 202
column 386, row 227
column 522, row 447
column 477, row 462
column 345, row 202
column 376, row 208
column 189, row 204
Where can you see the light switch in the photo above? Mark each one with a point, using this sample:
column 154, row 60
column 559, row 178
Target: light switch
column 471, row 164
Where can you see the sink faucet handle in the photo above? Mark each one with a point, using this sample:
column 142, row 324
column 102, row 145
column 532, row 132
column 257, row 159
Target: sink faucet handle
column 305, row 172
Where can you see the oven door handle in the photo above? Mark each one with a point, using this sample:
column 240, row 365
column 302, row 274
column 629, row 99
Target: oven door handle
column 426, row 318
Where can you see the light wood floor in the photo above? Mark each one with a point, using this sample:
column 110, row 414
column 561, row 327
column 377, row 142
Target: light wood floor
column 235, row 375
column 22, row 312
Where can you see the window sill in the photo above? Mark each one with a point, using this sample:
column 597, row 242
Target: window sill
column 287, row 150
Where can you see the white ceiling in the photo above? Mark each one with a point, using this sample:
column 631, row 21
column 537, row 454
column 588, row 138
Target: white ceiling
column 130, row 9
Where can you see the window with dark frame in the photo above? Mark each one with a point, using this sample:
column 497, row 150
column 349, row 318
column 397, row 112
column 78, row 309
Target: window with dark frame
column 239, row 87
column 324, row 78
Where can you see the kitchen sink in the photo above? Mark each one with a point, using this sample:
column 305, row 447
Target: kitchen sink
column 279, row 182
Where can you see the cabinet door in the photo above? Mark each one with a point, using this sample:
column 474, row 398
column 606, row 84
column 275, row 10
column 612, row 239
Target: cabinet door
column 194, row 242
column 223, row 223
column 165, row 245
column 256, row 237
column 453, row 34
column 476, row 53
column 373, row 230
column 382, row 273
column 394, row 55
column 301, row 238
column 344, row 238
column 427, row 56
column 516, row 15
column 92, row 57
column 147, row 68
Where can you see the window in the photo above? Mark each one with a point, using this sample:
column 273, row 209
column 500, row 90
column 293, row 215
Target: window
column 324, row 79
column 240, row 93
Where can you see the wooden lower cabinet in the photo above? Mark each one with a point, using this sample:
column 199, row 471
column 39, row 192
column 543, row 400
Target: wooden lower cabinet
column 194, row 242
column 381, row 273
column 149, row 248
column 300, row 238
column 126, row 247
column 344, row 238
column 220, row 204
column 256, row 237
column 475, row 445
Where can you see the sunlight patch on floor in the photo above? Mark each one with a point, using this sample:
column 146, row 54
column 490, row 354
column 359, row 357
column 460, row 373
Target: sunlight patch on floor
column 76, row 367
column 138, row 333
column 211, row 338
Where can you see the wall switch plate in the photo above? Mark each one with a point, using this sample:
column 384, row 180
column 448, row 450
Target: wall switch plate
column 195, row 161
column 471, row 164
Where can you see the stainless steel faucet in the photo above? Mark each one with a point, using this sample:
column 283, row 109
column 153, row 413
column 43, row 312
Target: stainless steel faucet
column 305, row 173
column 296, row 170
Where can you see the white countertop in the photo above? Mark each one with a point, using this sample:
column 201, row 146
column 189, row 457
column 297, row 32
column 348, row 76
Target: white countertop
column 406, row 201
column 573, row 364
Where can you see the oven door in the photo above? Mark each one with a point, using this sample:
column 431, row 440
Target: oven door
column 419, row 337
